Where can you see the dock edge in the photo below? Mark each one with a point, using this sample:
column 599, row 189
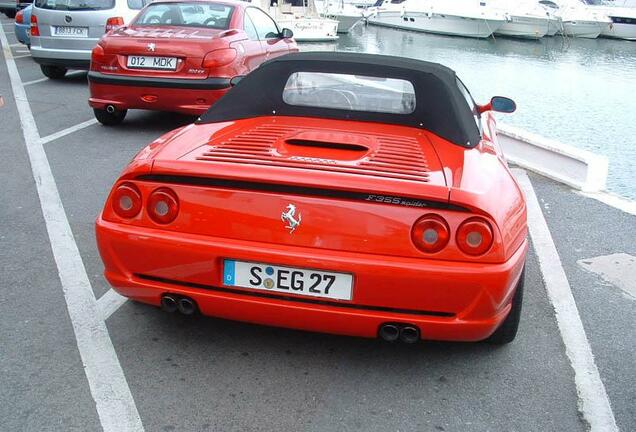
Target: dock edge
column 577, row 168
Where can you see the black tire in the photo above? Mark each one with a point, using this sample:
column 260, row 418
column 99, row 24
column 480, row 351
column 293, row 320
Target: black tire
column 507, row 331
column 53, row 72
column 10, row 14
column 110, row 119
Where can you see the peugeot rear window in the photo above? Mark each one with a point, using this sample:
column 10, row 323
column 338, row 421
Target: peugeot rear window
column 194, row 14
column 350, row 92
column 75, row 5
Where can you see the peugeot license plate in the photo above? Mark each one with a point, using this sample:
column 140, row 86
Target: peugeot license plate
column 289, row 280
column 67, row 31
column 147, row 62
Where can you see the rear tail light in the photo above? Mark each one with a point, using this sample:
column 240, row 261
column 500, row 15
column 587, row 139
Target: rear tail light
column 430, row 233
column 114, row 22
column 35, row 30
column 19, row 17
column 163, row 206
column 127, row 200
column 220, row 57
column 474, row 236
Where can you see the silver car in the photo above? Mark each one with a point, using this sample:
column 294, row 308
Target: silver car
column 63, row 32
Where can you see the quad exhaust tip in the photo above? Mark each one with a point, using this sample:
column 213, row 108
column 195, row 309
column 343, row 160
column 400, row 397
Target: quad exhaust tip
column 172, row 303
column 169, row 303
column 406, row 333
column 409, row 334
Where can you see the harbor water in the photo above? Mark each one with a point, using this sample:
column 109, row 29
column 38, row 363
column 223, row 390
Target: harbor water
column 581, row 92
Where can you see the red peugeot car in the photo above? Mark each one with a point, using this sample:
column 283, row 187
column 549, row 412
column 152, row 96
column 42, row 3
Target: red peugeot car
column 179, row 55
column 344, row 193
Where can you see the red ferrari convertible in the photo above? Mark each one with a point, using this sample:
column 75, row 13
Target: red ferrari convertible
column 345, row 193
column 179, row 56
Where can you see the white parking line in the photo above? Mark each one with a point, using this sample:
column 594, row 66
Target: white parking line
column 35, row 81
column 109, row 303
column 114, row 402
column 67, row 131
column 594, row 404
column 21, row 56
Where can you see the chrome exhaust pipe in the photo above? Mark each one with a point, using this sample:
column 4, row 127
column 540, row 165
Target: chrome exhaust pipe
column 409, row 334
column 186, row 306
column 389, row 332
column 110, row 109
column 168, row 303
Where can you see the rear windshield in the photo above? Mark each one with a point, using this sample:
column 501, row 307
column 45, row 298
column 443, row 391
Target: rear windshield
column 195, row 14
column 350, row 92
column 75, row 5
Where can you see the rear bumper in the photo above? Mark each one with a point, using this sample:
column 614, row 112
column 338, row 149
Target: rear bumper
column 22, row 33
column 446, row 300
column 213, row 83
column 73, row 59
column 160, row 94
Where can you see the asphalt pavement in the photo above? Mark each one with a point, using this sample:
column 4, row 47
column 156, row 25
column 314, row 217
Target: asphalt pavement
column 204, row 374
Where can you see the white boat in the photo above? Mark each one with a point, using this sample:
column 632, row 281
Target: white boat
column 305, row 21
column 525, row 19
column 466, row 18
column 582, row 21
column 555, row 24
column 623, row 24
column 347, row 15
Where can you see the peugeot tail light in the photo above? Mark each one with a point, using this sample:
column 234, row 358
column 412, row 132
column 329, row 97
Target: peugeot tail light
column 19, row 17
column 163, row 206
column 475, row 236
column 35, row 30
column 220, row 57
column 126, row 200
column 430, row 233
column 114, row 22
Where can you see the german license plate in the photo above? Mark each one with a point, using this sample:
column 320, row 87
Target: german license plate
column 289, row 280
column 147, row 62
column 68, row 31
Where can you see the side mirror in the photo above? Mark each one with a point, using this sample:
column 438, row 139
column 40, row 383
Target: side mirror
column 502, row 104
column 237, row 79
column 286, row 33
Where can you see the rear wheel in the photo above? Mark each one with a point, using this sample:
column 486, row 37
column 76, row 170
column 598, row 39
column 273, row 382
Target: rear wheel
column 10, row 13
column 110, row 119
column 53, row 72
column 508, row 329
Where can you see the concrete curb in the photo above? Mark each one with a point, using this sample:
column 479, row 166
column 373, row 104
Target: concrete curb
column 579, row 169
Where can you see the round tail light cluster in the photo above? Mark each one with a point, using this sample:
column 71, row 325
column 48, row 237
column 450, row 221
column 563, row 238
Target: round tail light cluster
column 474, row 236
column 127, row 200
column 163, row 206
column 430, row 233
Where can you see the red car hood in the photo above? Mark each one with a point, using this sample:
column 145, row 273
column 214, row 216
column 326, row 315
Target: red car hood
column 383, row 161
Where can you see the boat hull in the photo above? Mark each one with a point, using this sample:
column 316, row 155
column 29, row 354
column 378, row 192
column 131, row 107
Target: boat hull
column 524, row 27
column 436, row 23
column 582, row 29
column 345, row 22
column 311, row 29
column 620, row 31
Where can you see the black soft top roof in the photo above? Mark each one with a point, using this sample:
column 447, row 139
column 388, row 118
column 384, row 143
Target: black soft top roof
column 440, row 106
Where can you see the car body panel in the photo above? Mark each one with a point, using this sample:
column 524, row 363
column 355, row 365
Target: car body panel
column 357, row 188
column 151, row 88
column 23, row 31
column 49, row 48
